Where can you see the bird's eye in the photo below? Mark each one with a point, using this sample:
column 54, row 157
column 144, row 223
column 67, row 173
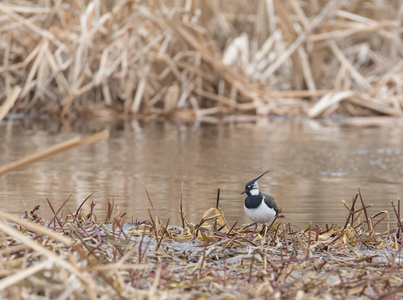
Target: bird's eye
column 250, row 187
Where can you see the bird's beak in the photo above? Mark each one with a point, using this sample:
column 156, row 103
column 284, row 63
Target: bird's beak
column 243, row 192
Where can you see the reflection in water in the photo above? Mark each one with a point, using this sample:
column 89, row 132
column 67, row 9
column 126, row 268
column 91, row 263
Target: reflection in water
column 317, row 166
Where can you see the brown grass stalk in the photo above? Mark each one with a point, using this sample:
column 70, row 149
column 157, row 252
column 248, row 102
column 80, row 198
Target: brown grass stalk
column 64, row 146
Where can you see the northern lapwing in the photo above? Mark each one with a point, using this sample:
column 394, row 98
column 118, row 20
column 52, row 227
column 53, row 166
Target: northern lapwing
column 260, row 208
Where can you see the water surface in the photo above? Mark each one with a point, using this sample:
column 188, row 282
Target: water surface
column 317, row 165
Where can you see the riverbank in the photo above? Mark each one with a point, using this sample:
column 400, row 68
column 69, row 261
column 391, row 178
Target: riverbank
column 77, row 255
column 195, row 60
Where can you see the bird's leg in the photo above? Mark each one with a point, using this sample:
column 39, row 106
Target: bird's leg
column 263, row 229
column 254, row 230
column 250, row 225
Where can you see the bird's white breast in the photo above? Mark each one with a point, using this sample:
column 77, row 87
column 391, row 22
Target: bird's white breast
column 261, row 214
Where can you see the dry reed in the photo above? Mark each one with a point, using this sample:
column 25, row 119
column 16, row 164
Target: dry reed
column 203, row 58
column 61, row 147
column 78, row 257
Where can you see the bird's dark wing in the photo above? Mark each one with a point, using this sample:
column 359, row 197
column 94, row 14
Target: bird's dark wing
column 270, row 202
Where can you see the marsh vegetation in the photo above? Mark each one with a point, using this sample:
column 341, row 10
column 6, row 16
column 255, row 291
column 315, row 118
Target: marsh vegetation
column 202, row 58
column 77, row 255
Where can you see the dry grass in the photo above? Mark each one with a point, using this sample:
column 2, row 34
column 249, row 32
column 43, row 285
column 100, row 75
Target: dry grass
column 56, row 149
column 203, row 58
column 81, row 257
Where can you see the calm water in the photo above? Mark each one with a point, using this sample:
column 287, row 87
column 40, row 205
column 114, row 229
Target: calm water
column 317, row 166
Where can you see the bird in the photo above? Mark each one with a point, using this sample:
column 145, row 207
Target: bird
column 260, row 208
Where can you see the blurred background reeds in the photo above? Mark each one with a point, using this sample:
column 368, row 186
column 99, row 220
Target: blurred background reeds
column 198, row 58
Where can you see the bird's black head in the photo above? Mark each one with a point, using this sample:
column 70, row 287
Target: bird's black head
column 253, row 185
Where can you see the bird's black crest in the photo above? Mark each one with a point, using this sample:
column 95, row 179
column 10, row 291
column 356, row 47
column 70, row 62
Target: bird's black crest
column 249, row 183
column 261, row 175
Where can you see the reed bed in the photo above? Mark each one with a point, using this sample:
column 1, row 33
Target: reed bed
column 197, row 59
column 75, row 255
